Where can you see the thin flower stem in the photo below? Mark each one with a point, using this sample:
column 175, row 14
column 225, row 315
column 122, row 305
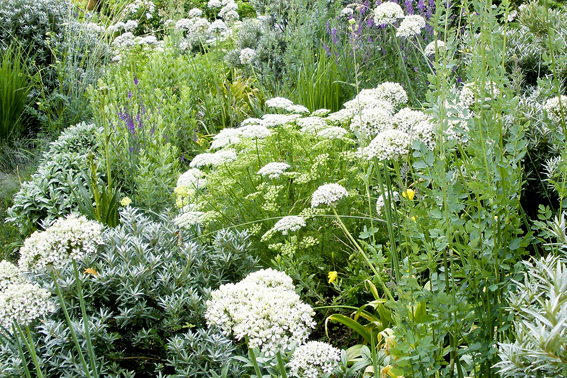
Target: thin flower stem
column 370, row 265
column 17, row 332
column 31, row 348
column 281, row 364
column 252, row 355
column 71, row 329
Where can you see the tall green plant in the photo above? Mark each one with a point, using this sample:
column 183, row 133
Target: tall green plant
column 14, row 89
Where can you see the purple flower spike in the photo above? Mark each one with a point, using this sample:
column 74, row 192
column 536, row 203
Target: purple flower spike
column 409, row 7
column 129, row 94
column 135, row 79
column 421, row 6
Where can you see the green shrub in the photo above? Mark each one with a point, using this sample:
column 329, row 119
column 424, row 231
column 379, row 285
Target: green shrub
column 49, row 193
column 145, row 294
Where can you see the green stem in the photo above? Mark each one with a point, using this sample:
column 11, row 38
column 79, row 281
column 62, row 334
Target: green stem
column 17, row 332
column 85, row 321
column 31, row 348
column 71, row 329
column 281, row 364
column 370, row 265
column 254, row 361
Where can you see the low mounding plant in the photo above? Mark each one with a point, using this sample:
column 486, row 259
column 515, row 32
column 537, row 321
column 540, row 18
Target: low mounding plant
column 144, row 291
column 49, row 193
column 540, row 308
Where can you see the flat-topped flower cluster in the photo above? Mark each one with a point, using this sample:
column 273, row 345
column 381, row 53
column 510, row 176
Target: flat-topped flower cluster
column 263, row 309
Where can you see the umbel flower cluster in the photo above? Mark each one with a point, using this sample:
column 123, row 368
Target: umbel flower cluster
column 68, row 238
column 314, row 359
column 263, row 309
column 21, row 302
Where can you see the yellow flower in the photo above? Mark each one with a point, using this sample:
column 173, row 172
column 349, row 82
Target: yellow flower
column 413, row 219
column 387, row 372
column 91, row 271
column 332, row 276
column 125, row 201
column 409, row 193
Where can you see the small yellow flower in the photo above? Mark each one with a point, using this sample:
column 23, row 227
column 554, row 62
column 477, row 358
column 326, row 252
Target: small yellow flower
column 333, row 276
column 125, row 201
column 91, row 271
column 409, row 194
column 413, row 219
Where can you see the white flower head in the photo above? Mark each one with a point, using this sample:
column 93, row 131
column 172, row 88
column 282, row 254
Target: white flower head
column 188, row 218
column 22, row 303
column 200, row 25
column 411, row 26
column 387, row 13
column 553, row 109
column 320, row 112
column 389, row 144
column 273, row 170
column 130, row 25
column 195, row 12
column 251, row 121
column 430, row 48
column 273, row 120
column 217, row 27
column 263, row 308
column 254, row 132
column 216, row 159
column 226, row 137
column 68, row 238
column 328, row 194
column 406, row 119
column 193, row 178
column 341, row 117
column 368, row 99
column 333, row 132
column 314, row 359
column 247, row 56
column 9, row 275
column 279, row 103
column 290, row 223
column 312, row 125
column 185, row 24
column 347, row 12
column 299, row 109
column 371, row 121
column 214, row 4
column 391, row 92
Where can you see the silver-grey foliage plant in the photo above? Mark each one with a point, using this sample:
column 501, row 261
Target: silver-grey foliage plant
column 540, row 306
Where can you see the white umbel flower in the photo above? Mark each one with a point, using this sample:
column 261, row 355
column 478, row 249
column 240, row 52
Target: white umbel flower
column 333, row 132
column 430, row 48
column 299, row 109
column 22, row 303
column 9, row 275
column 193, row 178
column 216, row 159
column 69, row 238
column 225, row 137
column 263, row 308
column 188, row 218
column 389, row 144
column 214, row 4
column 274, row 120
column 185, row 24
column 278, row 103
column 254, row 132
column 406, row 119
column 312, row 125
column 320, row 112
column 410, row 26
column 553, row 110
column 391, row 92
column 195, row 12
column 387, row 13
column 217, row 27
column 314, row 360
column 328, row 194
column 290, row 223
column 247, row 56
column 273, row 170
column 371, row 121
column 347, row 12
